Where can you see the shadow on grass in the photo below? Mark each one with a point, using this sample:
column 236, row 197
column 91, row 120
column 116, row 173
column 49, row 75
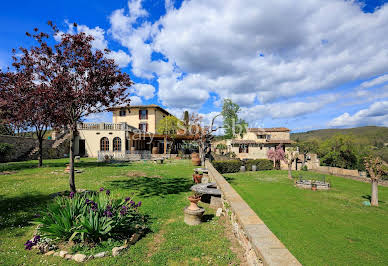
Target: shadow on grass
column 14, row 166
column 207, row 217
column 20, row 211
column 150, row 186
column 230, row 180
column 369, row 198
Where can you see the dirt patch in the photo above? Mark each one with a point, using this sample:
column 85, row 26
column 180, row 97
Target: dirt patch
column 158, row 239
column 8, row 173
column 136, row 174
column 235, row 245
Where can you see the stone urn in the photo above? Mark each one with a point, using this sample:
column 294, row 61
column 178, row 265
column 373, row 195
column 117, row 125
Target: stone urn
column 254, row 167
column 193, row 203
column 67, row 170
column 197, row 178
column 195, row 159
column 193, row 213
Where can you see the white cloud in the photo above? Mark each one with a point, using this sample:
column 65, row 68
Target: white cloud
column 275, row 50
column 135, row 100
column 376, row 114
column 377, row 81
column 144, row 90
column 121, row 58
column 99, row 117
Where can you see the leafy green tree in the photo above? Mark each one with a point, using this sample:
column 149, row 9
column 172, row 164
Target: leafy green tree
column 340, row 151
column 232, row 123
column 375, row 168
column 169, row 126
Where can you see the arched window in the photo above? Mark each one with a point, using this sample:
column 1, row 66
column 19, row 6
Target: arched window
column 104, row 144
column 116, row 144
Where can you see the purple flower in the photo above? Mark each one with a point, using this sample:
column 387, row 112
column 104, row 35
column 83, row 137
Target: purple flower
column 71, row 195
column 127, row 199
column 28, row 245
column 139, row 204
column 107, row 192
column 101, row 189
column 87, row 201
column 108, row 207
column 36, row 239
column 108, row 213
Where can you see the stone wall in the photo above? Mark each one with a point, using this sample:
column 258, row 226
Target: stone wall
column 23, row 146
column 260, row 244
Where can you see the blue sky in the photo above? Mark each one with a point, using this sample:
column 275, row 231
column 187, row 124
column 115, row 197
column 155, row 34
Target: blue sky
column 305, row 66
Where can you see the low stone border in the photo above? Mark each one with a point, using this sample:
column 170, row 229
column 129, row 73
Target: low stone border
column 383, row 183
column 83, row 258
column 260, row 244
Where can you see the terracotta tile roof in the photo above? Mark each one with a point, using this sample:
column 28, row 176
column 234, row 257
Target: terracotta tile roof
column 270, row 129
column 243, row 141
column 272, row 141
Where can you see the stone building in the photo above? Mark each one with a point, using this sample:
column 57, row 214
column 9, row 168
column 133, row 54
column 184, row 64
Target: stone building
column 133, row 131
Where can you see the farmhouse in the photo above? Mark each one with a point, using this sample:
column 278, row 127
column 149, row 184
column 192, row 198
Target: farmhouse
column 133, row 131
column 256, row 142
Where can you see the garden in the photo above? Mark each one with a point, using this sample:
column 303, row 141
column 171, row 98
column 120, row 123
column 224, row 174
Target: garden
column 121, row 200
column 330, row 227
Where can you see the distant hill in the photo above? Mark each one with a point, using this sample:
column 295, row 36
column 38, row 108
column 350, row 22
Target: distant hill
column 375, row 136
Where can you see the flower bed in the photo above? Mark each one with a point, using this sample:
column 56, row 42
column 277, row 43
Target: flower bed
column 87, row 219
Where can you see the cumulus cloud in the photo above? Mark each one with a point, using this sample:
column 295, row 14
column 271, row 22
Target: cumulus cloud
column 208, row 46
column 121, row 58
column 144, row 90
column 135, row 100
column 375, row 114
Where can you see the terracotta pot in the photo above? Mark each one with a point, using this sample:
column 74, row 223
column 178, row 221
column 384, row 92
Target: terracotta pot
column 313, row 187
column 67, row 170
column 193, row 203
column 155, row 150
column 197, row 178
column 195, row 159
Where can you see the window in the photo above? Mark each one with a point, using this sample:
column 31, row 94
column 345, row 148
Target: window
column 116, row 144
column 143, row 127
column 143, row 114
column 268, row 137
column 122, row 112
column 104, row 144
column 261, row 136
column 243, row 148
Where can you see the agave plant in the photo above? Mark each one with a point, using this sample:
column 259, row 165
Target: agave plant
column 90, row 217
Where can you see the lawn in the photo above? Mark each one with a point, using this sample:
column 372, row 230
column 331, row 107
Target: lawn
column 322, row 227
column 162, row 188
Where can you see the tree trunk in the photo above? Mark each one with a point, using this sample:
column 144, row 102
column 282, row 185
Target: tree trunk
column 289, row 170
column 375, row 199
column 274, row 165
column 71, row 173
column 40, row 152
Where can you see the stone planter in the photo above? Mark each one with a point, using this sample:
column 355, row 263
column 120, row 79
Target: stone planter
column 193, row 217
column 242, row 168
column 193, row 203
column 254, row 168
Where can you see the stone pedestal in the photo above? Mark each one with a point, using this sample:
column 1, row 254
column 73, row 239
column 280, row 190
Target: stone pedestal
column 193, row 217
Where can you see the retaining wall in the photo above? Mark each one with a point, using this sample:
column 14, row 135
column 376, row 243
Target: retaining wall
column 260, row 244
column 22, row 146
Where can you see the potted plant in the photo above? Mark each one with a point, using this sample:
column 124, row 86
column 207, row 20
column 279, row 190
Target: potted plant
column 197, row 177
column 313, row 186
column 194, row 201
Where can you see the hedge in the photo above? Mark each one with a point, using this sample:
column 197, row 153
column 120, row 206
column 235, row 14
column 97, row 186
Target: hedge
column 230, row 166
column 261, row 164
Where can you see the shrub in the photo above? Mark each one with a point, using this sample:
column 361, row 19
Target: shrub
column 229, row 166
column 90, row 218
column 5, row 150
column 304, row 168
column 261, row 164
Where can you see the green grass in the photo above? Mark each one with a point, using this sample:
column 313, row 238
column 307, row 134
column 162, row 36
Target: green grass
column 322, row 227
column 162, row 189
